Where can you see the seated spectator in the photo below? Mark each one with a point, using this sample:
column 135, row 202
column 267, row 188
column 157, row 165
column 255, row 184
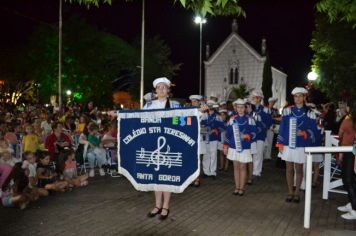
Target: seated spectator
column 83, row 121
column 110, row 137
column 30, row 167
column 57, row 141
column 47, row 178
column 30, row 142
column 5, row 171
column 96, row 153
column 70, row 172
column 46, row 125
column 14, row 194
column 7, row 158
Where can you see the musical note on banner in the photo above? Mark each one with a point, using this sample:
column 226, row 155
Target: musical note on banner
column 159, row 157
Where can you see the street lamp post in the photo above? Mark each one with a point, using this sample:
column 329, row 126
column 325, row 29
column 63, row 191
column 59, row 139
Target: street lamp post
column 69, row 93
column 60, row 56
column 142, row 81
column 199, row 20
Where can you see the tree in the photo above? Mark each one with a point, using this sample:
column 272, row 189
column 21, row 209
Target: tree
column 92, row 60
column 202, row 7
column 157, row 64
column 267, row 79
column 340, row 10
column 241, row 91
column 334, row 57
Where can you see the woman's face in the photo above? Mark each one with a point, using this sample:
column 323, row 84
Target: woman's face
column 240, row 109
column 299, row 99
column 195, row 103
column 31, row 158
column 162, row 90
column 45, row 161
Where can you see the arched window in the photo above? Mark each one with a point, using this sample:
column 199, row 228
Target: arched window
column 231, row 78
column 236, row 76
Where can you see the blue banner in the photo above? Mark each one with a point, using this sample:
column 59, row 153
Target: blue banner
column 158, row 150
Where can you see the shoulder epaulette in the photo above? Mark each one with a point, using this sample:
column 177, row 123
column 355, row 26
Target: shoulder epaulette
column 251, row 121
column 267, row 110
column 311, row 115
column 287, row 111
column 231, row 121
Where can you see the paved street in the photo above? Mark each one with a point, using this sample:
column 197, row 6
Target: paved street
column 110, row 206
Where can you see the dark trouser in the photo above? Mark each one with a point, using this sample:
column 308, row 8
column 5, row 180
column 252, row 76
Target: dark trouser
column 348, row 177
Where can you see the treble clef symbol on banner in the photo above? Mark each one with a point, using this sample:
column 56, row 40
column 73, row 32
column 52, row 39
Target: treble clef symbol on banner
column 157, row 157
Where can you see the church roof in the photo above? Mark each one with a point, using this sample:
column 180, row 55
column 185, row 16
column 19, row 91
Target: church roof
column 232, row 36
column 250, row 49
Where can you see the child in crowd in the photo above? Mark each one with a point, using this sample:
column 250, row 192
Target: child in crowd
column 83, row 121
column 96, row 152
column 29, row 165
column 47, row 178
column 7, row 158
column 70, row 172
column 14, row 187
column 30, row 141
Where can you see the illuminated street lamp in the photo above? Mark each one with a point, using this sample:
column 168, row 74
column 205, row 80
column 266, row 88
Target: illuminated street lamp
column 199, row 20
column 312, row 76
column 69, row 93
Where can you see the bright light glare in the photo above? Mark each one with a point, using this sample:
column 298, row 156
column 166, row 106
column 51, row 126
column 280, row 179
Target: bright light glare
column 69, row 92
column 199, row 20
column 312, row 76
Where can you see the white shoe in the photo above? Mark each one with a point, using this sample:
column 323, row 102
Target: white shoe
column 91, row 173
column 351, row 215
column 101, row 172
column 346, row 208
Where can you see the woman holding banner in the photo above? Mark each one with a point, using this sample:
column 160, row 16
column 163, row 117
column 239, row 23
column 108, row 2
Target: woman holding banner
column 162, row 86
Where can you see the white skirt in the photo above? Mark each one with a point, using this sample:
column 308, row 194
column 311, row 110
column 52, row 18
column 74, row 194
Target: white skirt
column 220, row 146
column 296, row 155
column 202, row 147
column 244, row 157
column 318, row 157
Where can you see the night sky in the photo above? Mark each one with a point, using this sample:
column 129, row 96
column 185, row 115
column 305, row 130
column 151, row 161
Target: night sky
column 287, row 26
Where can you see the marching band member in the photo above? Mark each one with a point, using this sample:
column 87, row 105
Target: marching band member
column 196, row 102
column 224, row 163
column 263, row 121
column 162, row 86
column 250, row 113
column 270, row 131
column 213, row 124
column 240, row 133
column 297, row 130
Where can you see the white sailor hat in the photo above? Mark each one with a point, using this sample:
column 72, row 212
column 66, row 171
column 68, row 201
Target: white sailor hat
column 161, row 80
column 210, row 102
column 272, row 99
column 222, row 110
column 213, row 95
column 148, row 96
column 215, row 105
column 299, row 90
column 239, row 102
column 222, row 103
column 257, row 93
column 195, row 97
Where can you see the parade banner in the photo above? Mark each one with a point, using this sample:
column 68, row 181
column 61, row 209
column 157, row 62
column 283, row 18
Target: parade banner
column 158, row 150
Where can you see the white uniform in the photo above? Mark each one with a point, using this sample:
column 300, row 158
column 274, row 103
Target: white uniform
column 157, row 104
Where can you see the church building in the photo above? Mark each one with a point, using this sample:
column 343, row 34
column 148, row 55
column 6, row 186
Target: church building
column 235, row 62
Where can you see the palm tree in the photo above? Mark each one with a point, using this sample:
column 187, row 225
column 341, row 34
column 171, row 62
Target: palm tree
column 241, row 91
